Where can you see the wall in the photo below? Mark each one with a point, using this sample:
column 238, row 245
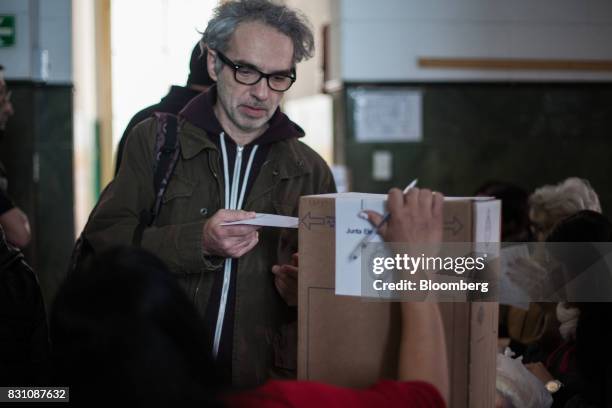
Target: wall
column 309, row 73
column 86, row 178
column 42, row 50
column 528, row 134
column 304, row 102
column 37, row 149
column 530, row 127
column 148, row 59
column 382, row 41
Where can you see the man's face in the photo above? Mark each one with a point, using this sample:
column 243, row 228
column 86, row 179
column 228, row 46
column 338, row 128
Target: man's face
column 249, row 107
column 6, row 107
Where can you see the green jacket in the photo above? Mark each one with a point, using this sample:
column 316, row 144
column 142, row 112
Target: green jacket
column 263, row 342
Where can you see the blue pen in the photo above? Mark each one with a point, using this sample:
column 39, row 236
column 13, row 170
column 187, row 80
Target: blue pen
column 355, row 253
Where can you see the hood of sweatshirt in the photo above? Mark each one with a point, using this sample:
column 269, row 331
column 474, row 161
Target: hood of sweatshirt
column 199, row 111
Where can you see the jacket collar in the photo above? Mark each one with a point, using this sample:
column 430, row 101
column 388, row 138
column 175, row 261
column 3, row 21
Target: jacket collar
column 284, row 160
column 199, row 124
column 192, row 140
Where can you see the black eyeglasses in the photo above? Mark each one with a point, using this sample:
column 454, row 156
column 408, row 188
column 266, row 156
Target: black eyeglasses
column 248, row 75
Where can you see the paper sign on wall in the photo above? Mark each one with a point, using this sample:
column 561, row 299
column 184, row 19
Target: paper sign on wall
column 381, row 115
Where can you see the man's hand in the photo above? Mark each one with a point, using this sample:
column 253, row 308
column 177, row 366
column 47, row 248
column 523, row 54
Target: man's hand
column 229, row 241
column 286, row 280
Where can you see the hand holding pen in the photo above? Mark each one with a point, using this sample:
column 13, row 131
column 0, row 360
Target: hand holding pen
column 415, row 217
column 379, row 223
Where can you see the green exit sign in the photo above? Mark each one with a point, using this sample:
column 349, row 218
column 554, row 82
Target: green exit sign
column 7, row 30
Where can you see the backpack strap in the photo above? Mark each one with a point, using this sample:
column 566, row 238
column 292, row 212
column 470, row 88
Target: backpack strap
column 166, row 154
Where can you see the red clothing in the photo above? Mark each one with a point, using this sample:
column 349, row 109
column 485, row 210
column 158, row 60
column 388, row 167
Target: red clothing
column 388, row 394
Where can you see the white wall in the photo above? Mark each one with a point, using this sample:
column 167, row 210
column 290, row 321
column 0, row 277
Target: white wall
column 151, row 45
column 309, row 73
column 383, row 40
column 43, row 27
column 304, row 102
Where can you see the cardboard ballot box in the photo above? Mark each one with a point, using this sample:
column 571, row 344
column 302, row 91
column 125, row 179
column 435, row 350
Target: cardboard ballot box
column 348, row 341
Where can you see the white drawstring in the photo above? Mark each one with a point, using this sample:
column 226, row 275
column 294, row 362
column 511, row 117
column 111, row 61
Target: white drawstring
column 246, row 176
column 225, row 170
column 231, row 196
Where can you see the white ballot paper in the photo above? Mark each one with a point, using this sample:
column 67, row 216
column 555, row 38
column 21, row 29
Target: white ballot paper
column 350, row 230
column 268, row 220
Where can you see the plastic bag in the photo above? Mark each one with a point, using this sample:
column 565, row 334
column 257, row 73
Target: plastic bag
column 518, row 385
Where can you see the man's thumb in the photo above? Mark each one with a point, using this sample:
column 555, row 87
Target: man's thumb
column 236, row 215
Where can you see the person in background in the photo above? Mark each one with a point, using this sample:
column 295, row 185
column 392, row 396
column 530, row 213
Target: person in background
column 515, row 228
column 198, row 81
column 12, row 219
column 24, row 338
column 551, row 204
column 578, row 372
column 548, row 205
column 123, row 323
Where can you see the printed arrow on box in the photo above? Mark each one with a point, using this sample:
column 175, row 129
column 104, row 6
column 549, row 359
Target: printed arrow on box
column 454, row 225
column 308, row 220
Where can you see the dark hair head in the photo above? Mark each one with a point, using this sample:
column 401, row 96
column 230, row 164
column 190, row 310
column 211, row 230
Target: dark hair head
column 584, row 226
column 594, row 330
column 580, row 244
column 198, row 74
column 581, row 232
column 123, row 324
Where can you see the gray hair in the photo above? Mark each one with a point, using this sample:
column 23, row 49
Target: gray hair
column 564, row 199
column 229, row 15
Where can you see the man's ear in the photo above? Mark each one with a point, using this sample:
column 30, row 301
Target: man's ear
column 210, row 65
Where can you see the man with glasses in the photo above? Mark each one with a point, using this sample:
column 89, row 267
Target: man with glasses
column 12, row 219
column 239, row 155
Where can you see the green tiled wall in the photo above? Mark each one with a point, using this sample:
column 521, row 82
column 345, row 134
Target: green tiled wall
column 529, row 134
column 37, row 152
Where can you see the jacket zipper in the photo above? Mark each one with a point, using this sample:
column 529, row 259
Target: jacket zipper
column 234, row 197
column 227, row 270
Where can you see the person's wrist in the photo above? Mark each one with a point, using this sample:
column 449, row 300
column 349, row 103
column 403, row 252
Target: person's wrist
column 413, row 311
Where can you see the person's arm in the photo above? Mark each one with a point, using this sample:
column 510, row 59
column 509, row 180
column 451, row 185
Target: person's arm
column 185, row 248
column 416, row 220
column 136, row 119
column 286, row 275
column 117, row 214
column 15, row 222
column 286, row 280
column 423, row 346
